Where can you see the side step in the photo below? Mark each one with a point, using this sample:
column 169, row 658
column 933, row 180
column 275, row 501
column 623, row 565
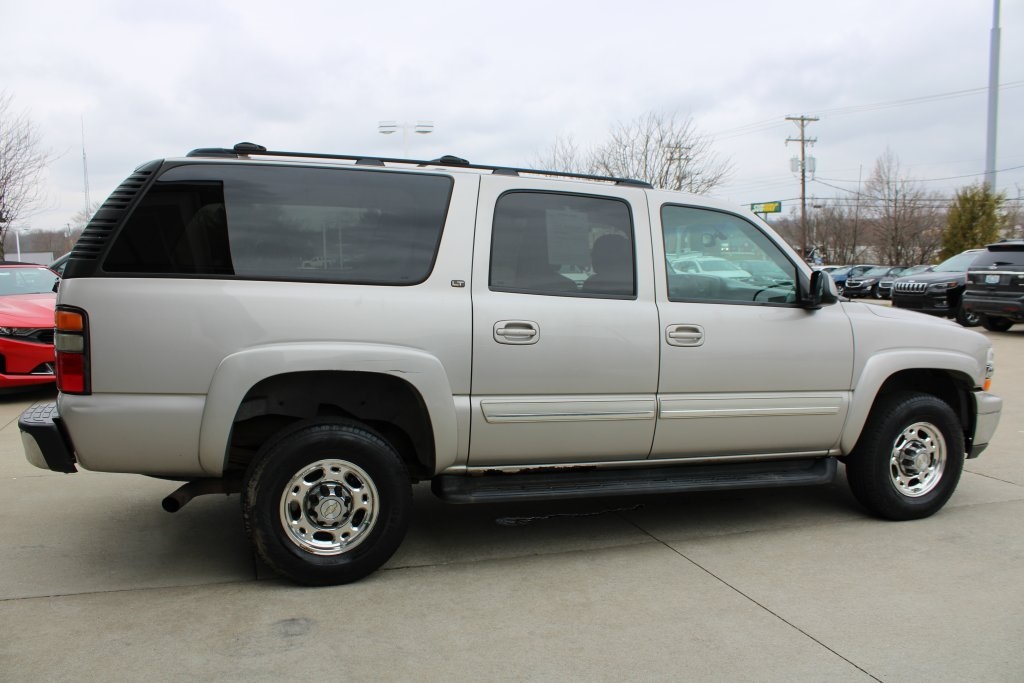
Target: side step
column 592, row 483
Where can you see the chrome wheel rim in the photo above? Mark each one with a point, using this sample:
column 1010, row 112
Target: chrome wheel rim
column 329, row 507
column 918, row 459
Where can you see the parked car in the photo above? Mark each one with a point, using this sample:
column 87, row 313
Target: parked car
column 939, row 291
column 765, row 273
column 841, row 275
column 866, row 284
column 995, row 286
column 710, row 265
column 60, row 264
column 440, row 341
column 27, row 301
column 885, row 283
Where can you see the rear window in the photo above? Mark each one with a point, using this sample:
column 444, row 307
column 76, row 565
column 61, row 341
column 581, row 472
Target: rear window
column 276, row 222
column 1012, row 259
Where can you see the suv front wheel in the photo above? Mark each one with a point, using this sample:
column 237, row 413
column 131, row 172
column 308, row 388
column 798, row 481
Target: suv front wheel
column 909, row 458
column 967, row 318
column 326, row 502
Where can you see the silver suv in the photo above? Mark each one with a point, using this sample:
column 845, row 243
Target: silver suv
column 319, row 332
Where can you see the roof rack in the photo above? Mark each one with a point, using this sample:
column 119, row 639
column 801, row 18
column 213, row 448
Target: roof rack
column 245, row 149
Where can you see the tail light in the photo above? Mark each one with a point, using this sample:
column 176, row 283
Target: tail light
column 71, row 342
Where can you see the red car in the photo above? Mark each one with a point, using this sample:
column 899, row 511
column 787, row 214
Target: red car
column 27, row 299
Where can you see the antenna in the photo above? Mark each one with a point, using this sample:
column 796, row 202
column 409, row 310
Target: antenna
column 85, row 174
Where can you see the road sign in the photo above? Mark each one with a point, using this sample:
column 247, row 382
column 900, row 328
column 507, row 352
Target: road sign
column 767, row 207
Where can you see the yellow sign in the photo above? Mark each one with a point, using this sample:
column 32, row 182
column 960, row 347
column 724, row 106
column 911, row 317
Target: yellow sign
column 767, row 207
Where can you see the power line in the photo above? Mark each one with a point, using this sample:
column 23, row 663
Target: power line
column 767, row 124
column 932, row 180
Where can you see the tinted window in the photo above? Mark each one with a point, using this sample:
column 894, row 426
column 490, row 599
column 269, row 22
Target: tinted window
column 560, row 244
column 1012, row 259
column 715, row 256
column 339, row 225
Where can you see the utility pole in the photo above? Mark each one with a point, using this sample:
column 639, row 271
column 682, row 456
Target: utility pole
column 805, row 142
column 85, row 176
column 993, row 100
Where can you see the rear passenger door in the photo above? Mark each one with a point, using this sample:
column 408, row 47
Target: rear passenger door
column 565, row 328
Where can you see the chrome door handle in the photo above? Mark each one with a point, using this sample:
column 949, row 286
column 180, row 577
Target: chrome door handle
column 516, row 332
column 684, row 335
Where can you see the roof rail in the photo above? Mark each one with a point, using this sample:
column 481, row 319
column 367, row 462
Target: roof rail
column 246, row 149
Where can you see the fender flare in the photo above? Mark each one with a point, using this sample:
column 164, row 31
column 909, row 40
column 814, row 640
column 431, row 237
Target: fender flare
column 883, row 365
column 240, row 371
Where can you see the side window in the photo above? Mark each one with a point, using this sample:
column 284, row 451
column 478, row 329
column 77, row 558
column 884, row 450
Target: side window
column 562, row 245
column 719, row 257
column 274, row 222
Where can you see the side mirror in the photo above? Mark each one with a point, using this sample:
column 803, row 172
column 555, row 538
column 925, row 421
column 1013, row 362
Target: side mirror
column 821, row 290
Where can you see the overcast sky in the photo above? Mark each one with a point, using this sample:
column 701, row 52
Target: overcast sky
column 501, row 80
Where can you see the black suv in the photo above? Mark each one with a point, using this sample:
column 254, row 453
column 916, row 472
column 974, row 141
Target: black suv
column 939, row 291
column 995, row 286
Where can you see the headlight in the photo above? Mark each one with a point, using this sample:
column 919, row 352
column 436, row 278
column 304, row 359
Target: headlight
column 944, row 286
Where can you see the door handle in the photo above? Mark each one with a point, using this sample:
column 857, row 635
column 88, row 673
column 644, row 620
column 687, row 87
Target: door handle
column 684, row 335
column 516, row 332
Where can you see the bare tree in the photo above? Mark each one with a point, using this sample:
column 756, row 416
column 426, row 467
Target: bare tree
column 839, row 232
column 22, row 161
column 906, row 225
column 565, row 155
column 663, row 149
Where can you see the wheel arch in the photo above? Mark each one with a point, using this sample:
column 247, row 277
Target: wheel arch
column 947, row 376
column 401, row 393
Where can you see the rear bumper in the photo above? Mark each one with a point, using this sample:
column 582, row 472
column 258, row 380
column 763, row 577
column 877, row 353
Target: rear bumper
column 46, row 444
column 995, row 307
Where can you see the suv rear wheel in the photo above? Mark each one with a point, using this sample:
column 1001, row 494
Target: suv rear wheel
column 996, row 324
column 327, row 502
column 909, row 458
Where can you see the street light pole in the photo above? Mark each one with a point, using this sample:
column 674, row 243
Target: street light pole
column 420, row 128
column 993, row 100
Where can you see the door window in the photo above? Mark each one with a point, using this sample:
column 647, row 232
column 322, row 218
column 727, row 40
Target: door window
column 562, row 245
column 716, row 256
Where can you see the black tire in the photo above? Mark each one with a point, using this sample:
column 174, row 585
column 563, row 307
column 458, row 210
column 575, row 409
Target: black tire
column 996, row 324
column 925, row 431
column 967, row 318
column 349, row 504
column 876, row 292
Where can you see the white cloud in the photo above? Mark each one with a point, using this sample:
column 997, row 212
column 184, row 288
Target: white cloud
column 500, row 81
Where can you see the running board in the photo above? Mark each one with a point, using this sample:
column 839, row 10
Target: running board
column 566, row 483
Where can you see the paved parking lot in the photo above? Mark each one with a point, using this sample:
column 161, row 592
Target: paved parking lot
column 97, row 582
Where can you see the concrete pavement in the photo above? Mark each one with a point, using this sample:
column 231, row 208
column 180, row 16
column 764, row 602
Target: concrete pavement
column 97, row 582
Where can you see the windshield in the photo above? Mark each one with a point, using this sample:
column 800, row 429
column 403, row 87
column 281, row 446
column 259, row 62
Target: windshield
column 958, row 263
column 877, row 272
column 912, row 270
column 26, row 280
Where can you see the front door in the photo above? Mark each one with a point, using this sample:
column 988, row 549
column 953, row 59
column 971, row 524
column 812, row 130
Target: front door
column 744, row 369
